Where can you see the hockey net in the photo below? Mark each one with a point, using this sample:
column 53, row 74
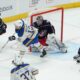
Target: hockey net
column 55, row 16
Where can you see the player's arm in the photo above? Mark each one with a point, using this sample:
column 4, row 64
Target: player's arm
column 35, row 25
column 51, row 28
column 33, row 33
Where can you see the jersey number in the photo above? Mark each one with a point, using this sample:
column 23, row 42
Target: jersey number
column 26, row 75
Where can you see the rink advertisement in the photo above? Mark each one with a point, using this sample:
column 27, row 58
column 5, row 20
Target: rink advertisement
column 33, row 3
column 49, row 1
column 5, row 8
column 12, row 10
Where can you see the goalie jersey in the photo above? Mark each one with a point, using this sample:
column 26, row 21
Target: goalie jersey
column 27, row 34
column 23, row 72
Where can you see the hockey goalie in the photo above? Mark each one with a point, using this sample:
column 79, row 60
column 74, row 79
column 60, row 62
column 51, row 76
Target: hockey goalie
column 46, row 34
column 22, row 71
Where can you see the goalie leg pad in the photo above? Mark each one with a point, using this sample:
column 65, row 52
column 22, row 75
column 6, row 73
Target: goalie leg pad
column 61, row 46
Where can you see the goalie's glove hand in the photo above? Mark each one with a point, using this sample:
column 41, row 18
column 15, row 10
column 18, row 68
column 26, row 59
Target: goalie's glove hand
column 11, row 38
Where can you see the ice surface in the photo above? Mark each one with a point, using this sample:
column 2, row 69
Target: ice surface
column 54, row 66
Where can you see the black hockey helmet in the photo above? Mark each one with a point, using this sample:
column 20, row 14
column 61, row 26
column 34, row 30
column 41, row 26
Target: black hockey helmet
column 39, row 20
column 39, row 17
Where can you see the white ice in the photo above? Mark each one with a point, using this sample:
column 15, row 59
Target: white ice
column 54, row 66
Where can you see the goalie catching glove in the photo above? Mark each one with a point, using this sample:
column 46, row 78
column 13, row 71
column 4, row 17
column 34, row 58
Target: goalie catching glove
column 11, row 38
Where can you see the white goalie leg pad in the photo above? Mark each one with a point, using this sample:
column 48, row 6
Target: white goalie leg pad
column 53, row 41
column 61, row 46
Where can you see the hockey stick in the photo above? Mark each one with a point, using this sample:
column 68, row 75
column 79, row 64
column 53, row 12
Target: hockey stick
column 5, row 45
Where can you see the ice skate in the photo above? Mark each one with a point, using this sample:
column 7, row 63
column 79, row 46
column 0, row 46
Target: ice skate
column 43, row 53
column 75, row 57
column 78, row 60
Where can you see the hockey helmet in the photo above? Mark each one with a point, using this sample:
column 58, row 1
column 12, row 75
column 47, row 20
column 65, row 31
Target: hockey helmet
column 39, row 20
column 18, row 24
column 39, row 17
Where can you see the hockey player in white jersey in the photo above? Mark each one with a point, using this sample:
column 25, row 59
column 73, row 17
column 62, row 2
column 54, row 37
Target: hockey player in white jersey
column 27, row 36
column 22, row 71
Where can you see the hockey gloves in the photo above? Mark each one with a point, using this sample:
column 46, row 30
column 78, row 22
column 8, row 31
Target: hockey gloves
column 11, row 38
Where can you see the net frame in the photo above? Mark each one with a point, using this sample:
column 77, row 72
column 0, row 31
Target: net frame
column 49, row 11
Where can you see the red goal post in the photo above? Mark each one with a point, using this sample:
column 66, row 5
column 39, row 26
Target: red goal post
column 56, row 16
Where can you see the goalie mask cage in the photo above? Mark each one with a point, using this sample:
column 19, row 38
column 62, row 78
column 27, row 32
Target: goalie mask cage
column 55, row 16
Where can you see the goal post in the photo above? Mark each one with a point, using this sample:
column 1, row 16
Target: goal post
column 55, row 16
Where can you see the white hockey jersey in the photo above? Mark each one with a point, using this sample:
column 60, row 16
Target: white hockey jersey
column 27, row 34
column 23, row 72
